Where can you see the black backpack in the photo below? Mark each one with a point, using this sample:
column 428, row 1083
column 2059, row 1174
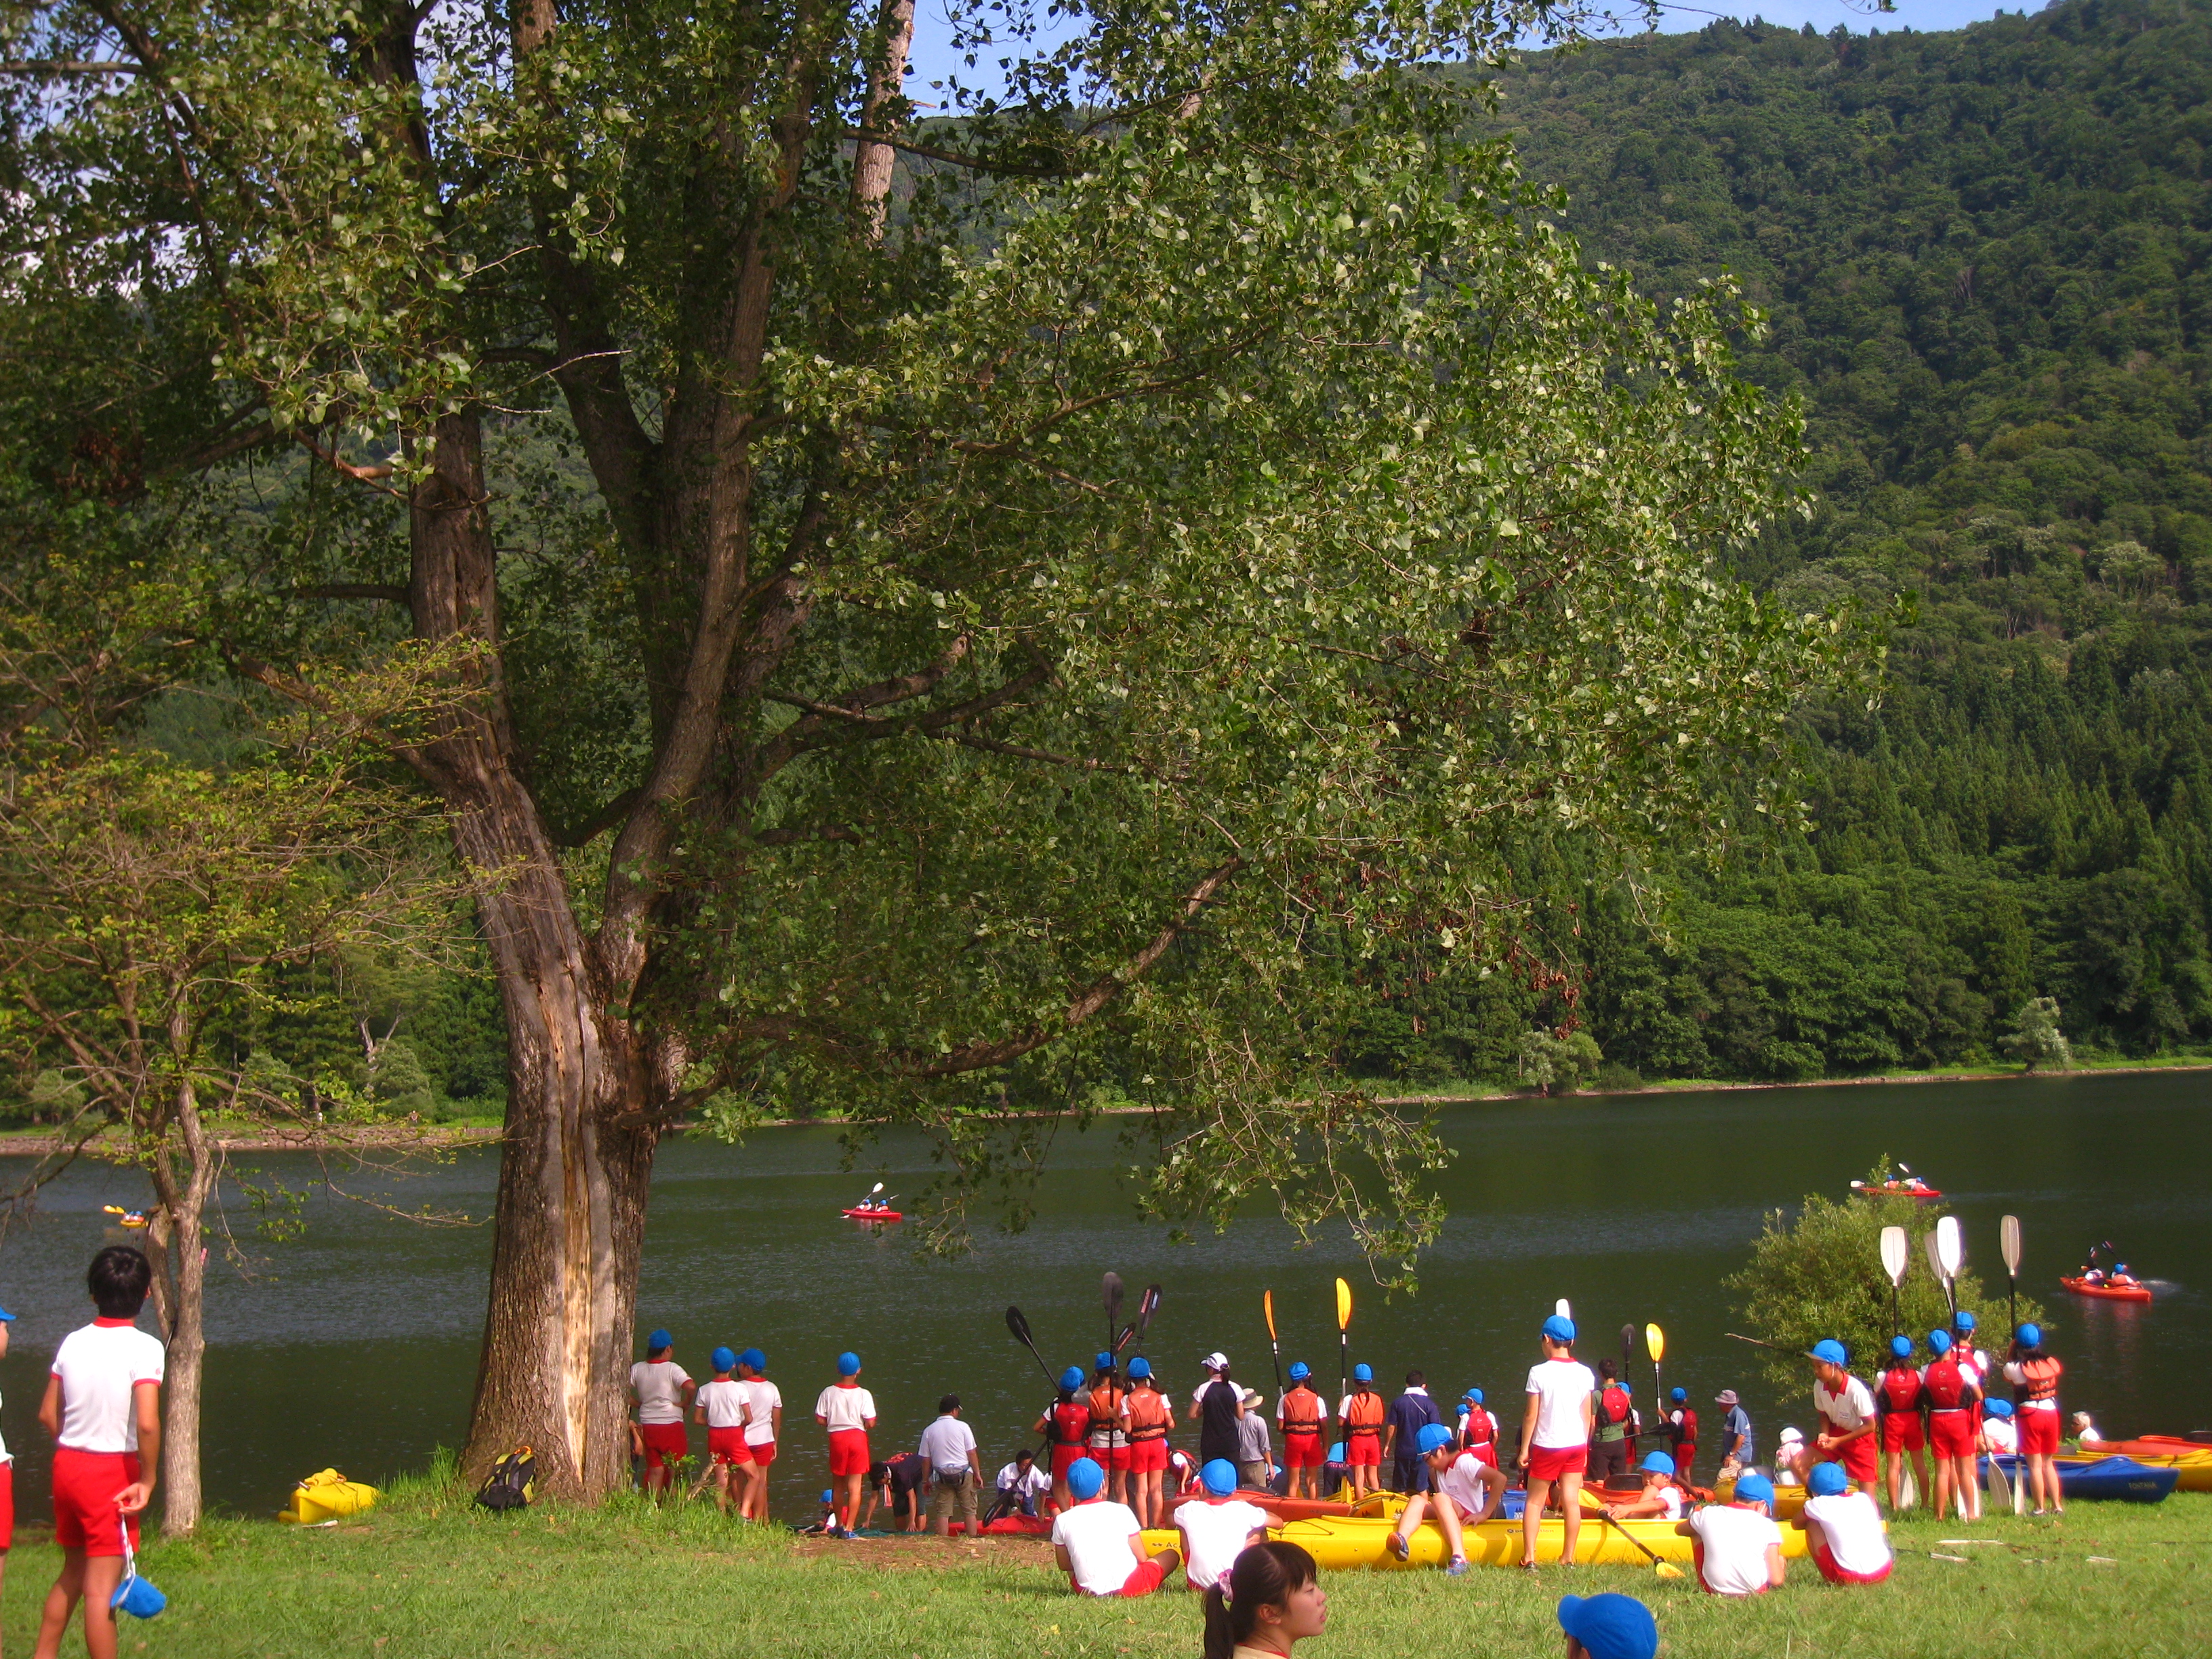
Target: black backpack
column 511, row 1484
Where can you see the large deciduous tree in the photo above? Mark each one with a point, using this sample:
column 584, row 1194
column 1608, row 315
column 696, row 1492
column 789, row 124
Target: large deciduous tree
column 1063, row 592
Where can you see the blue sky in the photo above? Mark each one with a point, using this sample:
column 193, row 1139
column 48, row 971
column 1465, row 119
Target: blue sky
column 933, row 55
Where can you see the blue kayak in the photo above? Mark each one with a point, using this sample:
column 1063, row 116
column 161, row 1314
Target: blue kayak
column 2120, row 1480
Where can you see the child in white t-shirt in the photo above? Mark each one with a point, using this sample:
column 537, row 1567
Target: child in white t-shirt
column 663, row 1389
column 1661, row 1499
column 1843, row 1528
column 1739, row 1547
column 1098, row 1544
column 1217, row 1527
column 722, row 1405
column 1555, row 1436
column 2000, row 1433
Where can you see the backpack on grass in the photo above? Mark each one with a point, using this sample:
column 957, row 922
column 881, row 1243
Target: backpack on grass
column 512, row 1482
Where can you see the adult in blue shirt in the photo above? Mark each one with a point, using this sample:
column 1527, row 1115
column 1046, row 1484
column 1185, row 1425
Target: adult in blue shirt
column 1409, row 1413
column 1736, row 1436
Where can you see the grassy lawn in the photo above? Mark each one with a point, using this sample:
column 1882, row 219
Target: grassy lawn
column 427, row 1578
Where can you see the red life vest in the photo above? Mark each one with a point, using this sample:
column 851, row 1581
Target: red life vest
column 1362, row 1414
column 1946, row 1385
column 2040, row 1378
column 1148, row 1415
column 1071, row 1422
column 1900, row 1388
column 1481, row 1431
column 1301, row 1411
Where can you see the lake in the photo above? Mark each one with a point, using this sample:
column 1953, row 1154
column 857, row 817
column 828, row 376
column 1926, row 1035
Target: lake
column 355, row 1345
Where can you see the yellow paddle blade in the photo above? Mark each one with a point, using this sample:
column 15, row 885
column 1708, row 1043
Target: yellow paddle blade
column 1655, row 1343
column 1267, row 1306
column 1668, row 1569
column 1343, row 1305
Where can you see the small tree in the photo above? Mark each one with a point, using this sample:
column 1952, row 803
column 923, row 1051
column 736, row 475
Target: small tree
column 2036, row 1038
column 1559, row 1064
column 1820, row 1275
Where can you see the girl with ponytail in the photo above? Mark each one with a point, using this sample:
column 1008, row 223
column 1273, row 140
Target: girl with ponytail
column 1272, row 1598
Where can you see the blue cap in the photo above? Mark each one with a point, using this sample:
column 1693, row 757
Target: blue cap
column 828, row 1496
column 2030, row 1335
column 1658, row 1463
column 1218, row 1477
column 1755, row 1489
column 1559, row 1328
column 1105, row 1361
column 1139, row 1368
column 1300, row 1370
column 1680, row 1396
column 1433, row 1437
column 1474, row 1395
column 1821, row 1480
column 1610, row 1626
column 658, row 1341
column 1072, row 1377
column 1336, row 1451
column 2119, row 1267
column 1964, row 1319
column 754, row 1357
column 1939, row 1343
column 7, row 1316
column 848, row 1364
column 1829, row 1351
column 1085, row 1478
column 1999, row 1408
column 1362, row 1373
column 1465, row 1410
column 1900, row 1347
column 722, row 1360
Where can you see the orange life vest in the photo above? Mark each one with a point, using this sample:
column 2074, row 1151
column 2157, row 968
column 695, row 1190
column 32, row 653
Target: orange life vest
column 1362, row 1414
column 2040, row 1378
column 1148, row 1414
column 1106, row 1407
column 1301, row 1411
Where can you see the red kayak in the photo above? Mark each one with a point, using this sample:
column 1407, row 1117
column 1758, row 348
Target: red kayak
column 2108, row 1292
column 1896, row 1189
column 1012, row 1526
column 874, row 1215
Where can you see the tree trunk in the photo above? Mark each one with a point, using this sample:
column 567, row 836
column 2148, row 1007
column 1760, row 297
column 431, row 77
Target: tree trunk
column 181, row 1268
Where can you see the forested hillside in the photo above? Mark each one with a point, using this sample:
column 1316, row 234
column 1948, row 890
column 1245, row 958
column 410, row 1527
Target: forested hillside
column 1984, row 257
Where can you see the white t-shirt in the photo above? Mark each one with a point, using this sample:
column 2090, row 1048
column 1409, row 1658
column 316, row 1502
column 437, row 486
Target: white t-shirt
column 946, row 1444
column 1096, row 1536
column 1735, row 1543
column 659, row 1388
column 725, row 1403
column 1561, row 1386
column 764, row 1398
column 1213, row 1536
column 1036, row 1482
column 100, row 1366
column 1852, row 1408
column 1463, row 1484
column 841, row 1408
column 1852, row 1525
column 2002, row 1436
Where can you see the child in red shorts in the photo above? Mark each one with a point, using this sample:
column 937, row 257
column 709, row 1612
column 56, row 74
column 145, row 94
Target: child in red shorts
column 721, row 1405
column 103, row 1407
column 663, row 1389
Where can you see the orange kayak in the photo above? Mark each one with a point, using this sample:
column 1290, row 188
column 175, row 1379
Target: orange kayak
column 2107, row 1292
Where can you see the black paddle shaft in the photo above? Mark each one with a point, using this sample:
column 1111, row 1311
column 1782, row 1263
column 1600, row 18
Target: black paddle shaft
column 1112, row 1285
column 1020, row 1328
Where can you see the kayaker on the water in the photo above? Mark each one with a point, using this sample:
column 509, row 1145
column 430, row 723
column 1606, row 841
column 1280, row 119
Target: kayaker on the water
column 1097, row 1542
column 1682, row 1435
column 1902, row 1399
column 1303, row 1416
column 1737, row 1544
column 1661, row 1499
column 2120, row 1277
column 1608, row 1626
column 1065, row 1425
column 721, row 1404
column 1843, row 1530
column 1272, row 1601
column 1109, row 1439
column 1952, row 1397
column 1215, row 1407
column 1611, row 1445
column 1218, row 1526
column 1555, row 1434
column 1466, row 1492
column 2034, row 1376
column 662, row 1389
column 1361, row 1412
column 1146, row 1417
column 2000, row 1433
column 1409, row 1413
column 764, row 1428
column 1736, row 1436
column 1019, row 1484
column 1478, row 1428
column 847, row 1411
column 1848, row 1427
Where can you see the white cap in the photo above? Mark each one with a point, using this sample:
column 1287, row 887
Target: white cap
column 1791, row 1434
column 1215, row 1361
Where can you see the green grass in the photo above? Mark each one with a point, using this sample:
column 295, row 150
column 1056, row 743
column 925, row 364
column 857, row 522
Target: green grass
column 428, row 1576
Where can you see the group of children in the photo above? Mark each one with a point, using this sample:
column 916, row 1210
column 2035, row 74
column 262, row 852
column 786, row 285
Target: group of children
column 743, row 1412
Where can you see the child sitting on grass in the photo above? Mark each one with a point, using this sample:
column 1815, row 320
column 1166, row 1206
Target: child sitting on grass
column 1098, row 1544
column 1738, row 1547
column 1843, row 1528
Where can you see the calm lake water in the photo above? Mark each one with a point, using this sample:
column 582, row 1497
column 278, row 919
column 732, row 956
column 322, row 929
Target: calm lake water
column 356, row 1346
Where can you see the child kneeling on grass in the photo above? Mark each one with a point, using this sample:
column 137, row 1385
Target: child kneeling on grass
column 1738, row 1547
column 1098, row 1544
column 1271, row 1600
column 1843, row 1528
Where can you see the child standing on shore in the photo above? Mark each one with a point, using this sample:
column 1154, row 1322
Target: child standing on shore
column 847, row 1411
column 721, row 1407
column 1555, row 1437
column 663, row 1389
column 103, row 1407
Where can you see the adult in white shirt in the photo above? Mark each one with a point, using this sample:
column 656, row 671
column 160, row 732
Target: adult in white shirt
column 1020, row 1485
column 1739, row 1547
column 1844, row 1529
column 1217, row 1527
column 1098, row 1544
column 764, row 1428
column 663, row 1389
column 956, row 1468
column 1555, row 1437
column 1466, row 1492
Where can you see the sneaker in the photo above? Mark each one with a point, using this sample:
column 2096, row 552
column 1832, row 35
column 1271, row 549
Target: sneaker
column 1399, row 1547
column 1457, row 1570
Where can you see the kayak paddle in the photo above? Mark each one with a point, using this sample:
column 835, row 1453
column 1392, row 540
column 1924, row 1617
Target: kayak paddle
column 1950, row 1254
column 1148, row 1305
column 1128, row 1334
column 1896, row 1257
column 1561, row 1309
column 1663, row 1569
column 2000, row 1488
column 1627, row 1350
column 2009, row 1241
column 1112, row 1288
column 1267, row 1306
column 1343, row 1339
column 1756, row 1343
column 1654, row 1343
column 1020, row 1328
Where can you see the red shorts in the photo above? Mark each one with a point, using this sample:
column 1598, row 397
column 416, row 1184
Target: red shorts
column 1065, row 1458
column 1148, row 1456
column 1144, row 1580
column 728, row 1446
column 86, row 1485
column 664, row 1441
column 1836, row 1575
column 1304, row 1451
column 6, row 1507
column 2038, row 1432
column 848, row 1452
column 1860, row 1460
column 1951, row 1434
column 764, row 1451
column 1901, row 1431
column 1108, row 1458
column 1551, row 1462
column 1364, row 1451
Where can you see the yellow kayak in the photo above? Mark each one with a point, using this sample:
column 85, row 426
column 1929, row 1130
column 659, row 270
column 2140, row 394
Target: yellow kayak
column 326, row 1497
column 1788, row 1501
column 1343, row 1542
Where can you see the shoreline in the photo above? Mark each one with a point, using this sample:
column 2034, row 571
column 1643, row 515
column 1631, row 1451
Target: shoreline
column 1704, row 1086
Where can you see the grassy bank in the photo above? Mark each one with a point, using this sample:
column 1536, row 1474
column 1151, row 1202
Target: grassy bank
column 427, row 1578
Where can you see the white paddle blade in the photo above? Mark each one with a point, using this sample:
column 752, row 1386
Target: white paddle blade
column 2000, row 1490
column 1896, row 1254
column 1908, row 1490
column 873, row 1190
column 1935, row 1256
column 1950, row 1245
column 2009, row 1241
column 1561, row 1309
